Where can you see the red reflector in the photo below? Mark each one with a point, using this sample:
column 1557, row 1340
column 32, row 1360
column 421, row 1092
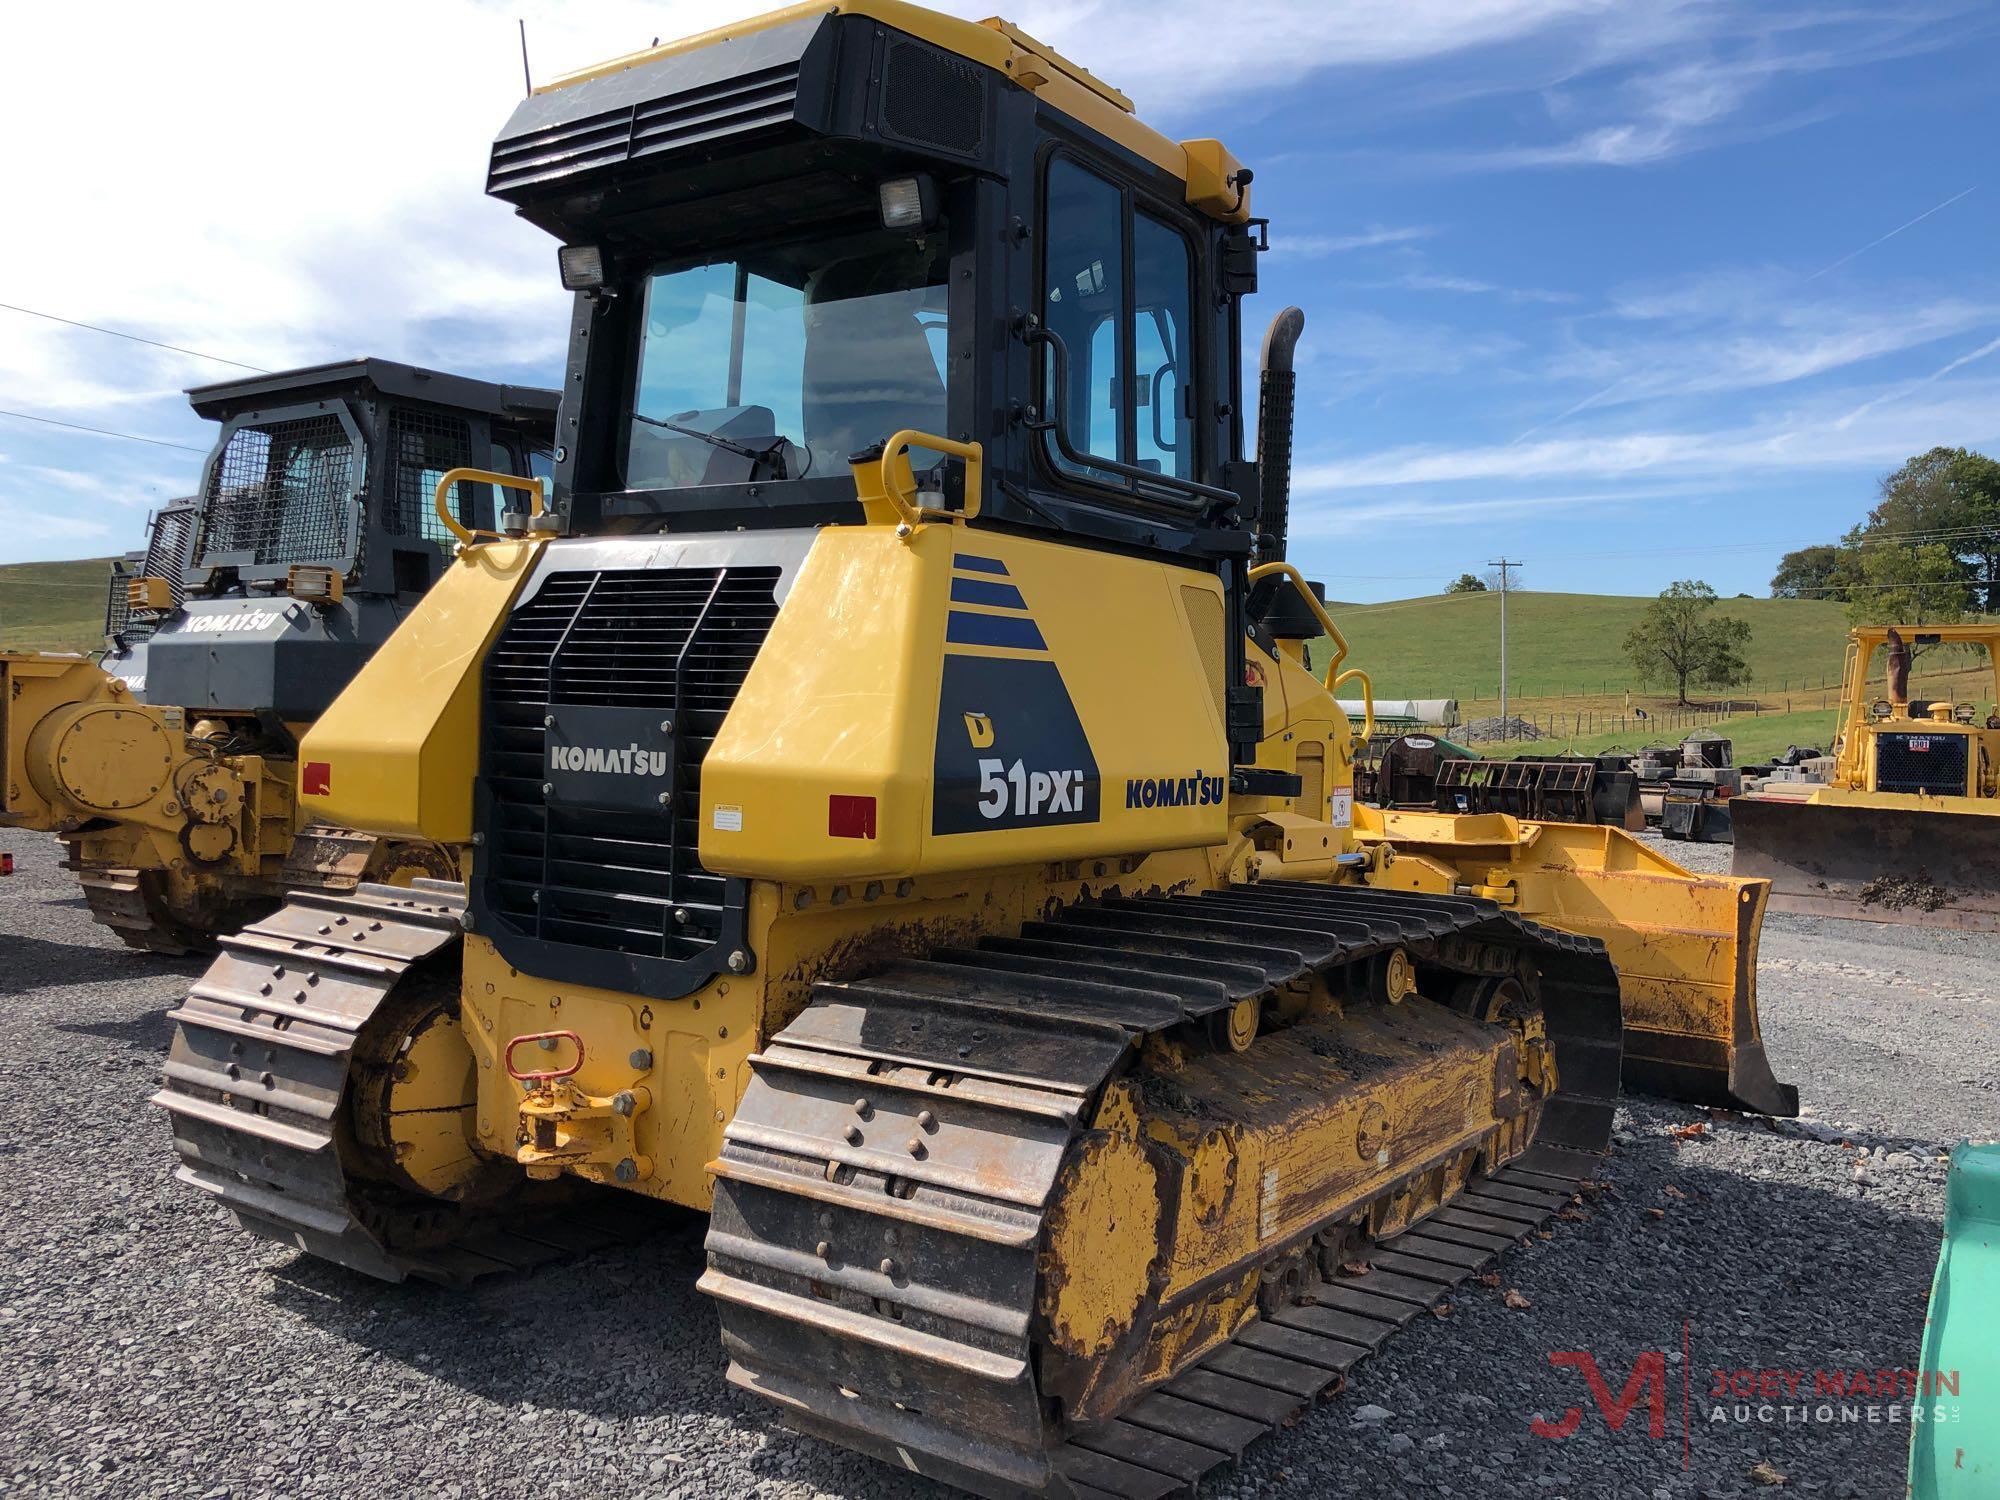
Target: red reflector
column 850, row 817
column 317, row 780
column 6, row 864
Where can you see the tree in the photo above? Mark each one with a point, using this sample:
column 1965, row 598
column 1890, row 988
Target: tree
column 1926, row 585
column 1950, row 497
column 1809, row 573
column 1465, row 583
column 1681, row 640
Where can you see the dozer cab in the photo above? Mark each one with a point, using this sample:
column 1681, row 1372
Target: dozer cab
column 1907, row 827
column 169, row 767
column 900, row 820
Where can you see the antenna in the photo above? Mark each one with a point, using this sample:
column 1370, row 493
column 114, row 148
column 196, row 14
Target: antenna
column 526, row 77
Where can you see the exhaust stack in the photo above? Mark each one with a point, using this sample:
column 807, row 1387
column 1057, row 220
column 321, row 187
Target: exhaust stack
column 1897, row 669
column 1276, row 400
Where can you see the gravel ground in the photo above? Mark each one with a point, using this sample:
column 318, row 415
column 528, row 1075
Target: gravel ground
column 157, row 1350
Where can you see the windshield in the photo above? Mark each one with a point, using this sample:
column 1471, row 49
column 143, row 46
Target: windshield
column 782, row 363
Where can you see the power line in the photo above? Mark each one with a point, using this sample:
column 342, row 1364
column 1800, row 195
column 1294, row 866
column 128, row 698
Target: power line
column 135, row 338
column 132, row 437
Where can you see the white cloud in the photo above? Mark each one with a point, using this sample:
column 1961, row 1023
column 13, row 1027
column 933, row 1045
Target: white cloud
column 1308, row 246
column 1723, row 332
column 1806, row 438
column 1652, row 82
column 1445, row 281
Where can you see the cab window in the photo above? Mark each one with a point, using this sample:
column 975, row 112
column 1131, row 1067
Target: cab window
column 1116, row 291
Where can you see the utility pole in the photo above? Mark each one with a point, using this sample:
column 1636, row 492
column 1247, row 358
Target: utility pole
column 1503, row 565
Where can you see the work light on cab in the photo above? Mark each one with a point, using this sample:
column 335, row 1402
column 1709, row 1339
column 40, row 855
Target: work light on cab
column 582, row 267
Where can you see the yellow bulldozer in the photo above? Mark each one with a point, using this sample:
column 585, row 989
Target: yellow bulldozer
column 899, row 821
column 1907, row 826
column 169, row 766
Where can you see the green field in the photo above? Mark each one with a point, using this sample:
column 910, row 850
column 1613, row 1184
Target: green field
column 55, row 606
column 1568, row 676
column 1568, row 646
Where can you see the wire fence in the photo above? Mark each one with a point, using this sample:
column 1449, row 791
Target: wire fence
column 1784, row 695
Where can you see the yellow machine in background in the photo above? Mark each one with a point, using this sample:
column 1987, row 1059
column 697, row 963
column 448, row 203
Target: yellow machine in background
column 1907, row 829
column 170, row 769
column 169, row 813
column 900, row 821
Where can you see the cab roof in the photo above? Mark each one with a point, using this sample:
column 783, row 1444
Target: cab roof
column 1204, row 165
column 530, row 405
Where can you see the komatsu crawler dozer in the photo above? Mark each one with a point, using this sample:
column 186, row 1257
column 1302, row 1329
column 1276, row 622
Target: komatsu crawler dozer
column 169, row 767
column 1907, row 828
column 901, row 822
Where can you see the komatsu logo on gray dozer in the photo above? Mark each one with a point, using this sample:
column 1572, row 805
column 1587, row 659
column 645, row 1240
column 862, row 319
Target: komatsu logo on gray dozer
column 241, row 621
column 627, row 760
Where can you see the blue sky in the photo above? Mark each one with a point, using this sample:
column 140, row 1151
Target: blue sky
column 1632, row 292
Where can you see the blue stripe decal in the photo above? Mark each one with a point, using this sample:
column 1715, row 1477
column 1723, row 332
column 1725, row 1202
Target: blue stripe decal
column 963, row 629
column 966, row 563
column 979, row 591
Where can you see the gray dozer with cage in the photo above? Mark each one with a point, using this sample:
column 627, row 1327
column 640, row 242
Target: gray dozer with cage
column 255, row 601
column 313, row 531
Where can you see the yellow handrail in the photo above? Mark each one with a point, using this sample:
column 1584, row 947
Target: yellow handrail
column 465, row 534
column 1367, row 699
column 912, row 513
column 1265, row 570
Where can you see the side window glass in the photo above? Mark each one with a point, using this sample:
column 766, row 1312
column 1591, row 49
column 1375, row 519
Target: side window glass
column 1083, row 304
column 1160, row 278
column 774, row 351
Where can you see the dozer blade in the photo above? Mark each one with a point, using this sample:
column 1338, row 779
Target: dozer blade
column 1952, row 1455
column 1873, row 863
column 1685, row 944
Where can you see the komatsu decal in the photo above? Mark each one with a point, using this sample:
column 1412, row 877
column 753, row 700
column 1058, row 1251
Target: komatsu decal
column 628, row 760
column 1198, row 790
column 247, row 621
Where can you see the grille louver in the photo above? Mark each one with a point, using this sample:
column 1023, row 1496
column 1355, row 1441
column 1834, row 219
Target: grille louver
column 1939, row 769
column 170, row 549
column 933, row 99
column 118, row 619
column 677, row 642
column 689, row 118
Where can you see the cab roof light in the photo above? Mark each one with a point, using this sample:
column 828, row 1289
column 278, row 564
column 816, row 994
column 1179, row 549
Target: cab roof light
column 582, row 267
column 909, row 203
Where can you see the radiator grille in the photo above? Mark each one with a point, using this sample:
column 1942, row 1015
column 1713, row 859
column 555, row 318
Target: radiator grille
column 679, row 642
column 689, row 118
column 423, row 447
column 283, row 493
column 1940, row 768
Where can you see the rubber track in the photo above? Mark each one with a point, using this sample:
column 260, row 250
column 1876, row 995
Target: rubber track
column 255, row 1084
column 923, row 1112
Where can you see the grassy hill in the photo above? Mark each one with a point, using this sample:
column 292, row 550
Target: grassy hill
column 1567, row 673
column 1566, row 645
column 55, row 606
